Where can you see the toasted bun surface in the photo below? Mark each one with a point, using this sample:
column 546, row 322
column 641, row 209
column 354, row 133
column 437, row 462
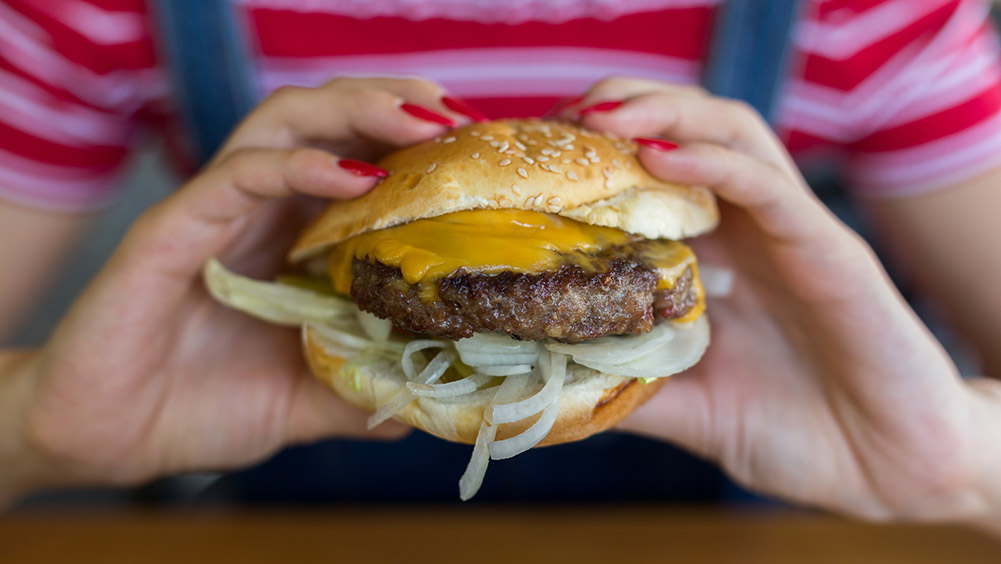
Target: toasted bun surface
column 519, row 164
column 590, row 401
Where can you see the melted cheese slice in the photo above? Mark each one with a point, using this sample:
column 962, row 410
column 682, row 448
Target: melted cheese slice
column 495, row 241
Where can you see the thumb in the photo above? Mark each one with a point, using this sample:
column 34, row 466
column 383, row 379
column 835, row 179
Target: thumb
column 316, row 412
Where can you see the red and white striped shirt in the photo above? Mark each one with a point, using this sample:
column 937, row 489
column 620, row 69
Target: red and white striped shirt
column 906, row 92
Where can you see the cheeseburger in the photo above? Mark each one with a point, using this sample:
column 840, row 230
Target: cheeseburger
column 510, row 284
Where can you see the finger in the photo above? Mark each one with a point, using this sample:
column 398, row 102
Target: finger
column 686, row 118
column 679, row 413
column 178, row 235
column 820, row 258
column 622, row 89
column 347, row 109
column 317, row 413
column 782, row 206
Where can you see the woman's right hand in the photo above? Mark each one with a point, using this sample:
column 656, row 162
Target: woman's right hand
column 147, row 374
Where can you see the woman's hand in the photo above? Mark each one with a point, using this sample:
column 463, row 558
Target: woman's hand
column 147, row 374
column 820, row 384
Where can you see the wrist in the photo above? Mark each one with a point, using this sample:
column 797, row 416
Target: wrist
column 22, row 470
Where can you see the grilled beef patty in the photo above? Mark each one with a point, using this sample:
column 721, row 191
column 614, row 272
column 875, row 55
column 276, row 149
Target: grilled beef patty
column 614, row 295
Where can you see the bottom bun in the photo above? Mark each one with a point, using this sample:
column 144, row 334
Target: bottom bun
column 590, row 402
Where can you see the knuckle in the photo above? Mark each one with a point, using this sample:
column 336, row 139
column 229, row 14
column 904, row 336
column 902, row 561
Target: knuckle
column 340, row 82
column 304, row 158
column 284, row 95
column 425, row 86
column 743, row 114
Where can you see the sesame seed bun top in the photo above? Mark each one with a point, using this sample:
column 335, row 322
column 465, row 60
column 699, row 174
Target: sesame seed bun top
column 533, row 165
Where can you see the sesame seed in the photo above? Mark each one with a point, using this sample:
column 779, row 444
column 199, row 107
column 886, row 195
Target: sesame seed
column 607, row 171
column 474, row 133
column 608, row 184
column 504, row 201
column 542, row 158
column 547, row 151
column 495, row 144
column 538, row 199
column 503, row 146
column 378, row 223
column 582, row 162
column 475, row 155
column 568, row 147
column 449, row 139
column 516, row 189
column 529, row 201
column 553, row 209
column 616, row 163
column 520, row 145
column 556, row 154
column 571, row 175
column 595, row 159
column 554, row 201
column 487, row 137
column 432, row 167
column 505, row 162
column 566, row 161
column 588, row 151
column 522, row 173
column 554, row 169
column 528, row 159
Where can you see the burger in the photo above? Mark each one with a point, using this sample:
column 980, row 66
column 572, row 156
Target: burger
column 511, row 284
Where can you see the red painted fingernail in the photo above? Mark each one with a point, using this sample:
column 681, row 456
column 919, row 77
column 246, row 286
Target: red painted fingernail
column 426, row 114
column 460, row 106
column 562, row 104
column 601, row 107
column 359, row 168
column 654, row 143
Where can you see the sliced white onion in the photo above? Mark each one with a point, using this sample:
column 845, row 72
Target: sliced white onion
column 390, row 408
column 553, row 363
column 519, row 443
column 679, row 354
column 716, row 280
column 615, row 349
column 491, row 349
column 411, row 348
column 376, row 327
column 512, row 370
column 472, row 478
column 276, row 302
column 467, row 385
column 342, row 338
column 431, row 373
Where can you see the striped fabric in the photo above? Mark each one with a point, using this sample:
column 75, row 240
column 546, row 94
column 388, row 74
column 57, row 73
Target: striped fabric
column 906, row 92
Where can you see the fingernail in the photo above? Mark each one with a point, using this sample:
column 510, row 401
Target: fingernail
column 654, row 143
column 359, row 168
column 601, row 107
column 426, row 114
column 563, row 104
column 460, row 106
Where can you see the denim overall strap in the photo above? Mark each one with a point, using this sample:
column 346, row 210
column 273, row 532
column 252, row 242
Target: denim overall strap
column 749, row 51
column 206, row 51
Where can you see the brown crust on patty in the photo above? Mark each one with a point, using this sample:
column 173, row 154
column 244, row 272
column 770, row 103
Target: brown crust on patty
column 571, row 304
